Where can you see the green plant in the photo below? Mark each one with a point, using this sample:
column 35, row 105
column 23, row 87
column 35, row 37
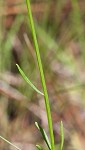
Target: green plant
column 50, row 144
column 10, row 143
column 43, row 85
column 44, row 135
column 62, row 136
column 41, row 75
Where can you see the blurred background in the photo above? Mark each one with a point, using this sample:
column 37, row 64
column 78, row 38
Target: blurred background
column 60, row 28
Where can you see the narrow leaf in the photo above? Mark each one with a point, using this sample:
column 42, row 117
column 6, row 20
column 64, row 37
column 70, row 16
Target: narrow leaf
column 39, row 147
column 27, row 80
column 62, row 135
column 10, row 143
column 44, row 135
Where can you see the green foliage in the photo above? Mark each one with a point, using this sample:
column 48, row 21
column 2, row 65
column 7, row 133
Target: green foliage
column 44, row 135
column 39, row 147
column 27, row 80
column 8, row 44
column 62, row 135
column 41, row 75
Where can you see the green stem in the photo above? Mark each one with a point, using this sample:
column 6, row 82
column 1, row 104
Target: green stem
column 10, row 143
column 41, row 75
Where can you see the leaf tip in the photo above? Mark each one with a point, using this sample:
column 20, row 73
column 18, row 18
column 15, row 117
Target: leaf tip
column 17, row 66
column 36, row 123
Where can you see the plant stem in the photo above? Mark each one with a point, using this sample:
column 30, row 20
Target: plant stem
column 41, row 75
column 10, row 143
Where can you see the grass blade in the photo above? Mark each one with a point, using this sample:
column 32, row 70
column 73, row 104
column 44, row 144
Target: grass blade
column 10, row 143
column 27, row 80
column 44, row 135
column 62, row 135
column 39, row 147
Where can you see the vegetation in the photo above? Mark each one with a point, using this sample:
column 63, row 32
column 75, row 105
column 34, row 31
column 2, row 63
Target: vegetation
column 57, row 38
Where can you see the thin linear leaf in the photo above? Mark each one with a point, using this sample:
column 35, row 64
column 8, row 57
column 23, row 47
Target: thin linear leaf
column 39, row 147
column 44, row 135
column 27, row 80
column 62, row 135
column 10, row 143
